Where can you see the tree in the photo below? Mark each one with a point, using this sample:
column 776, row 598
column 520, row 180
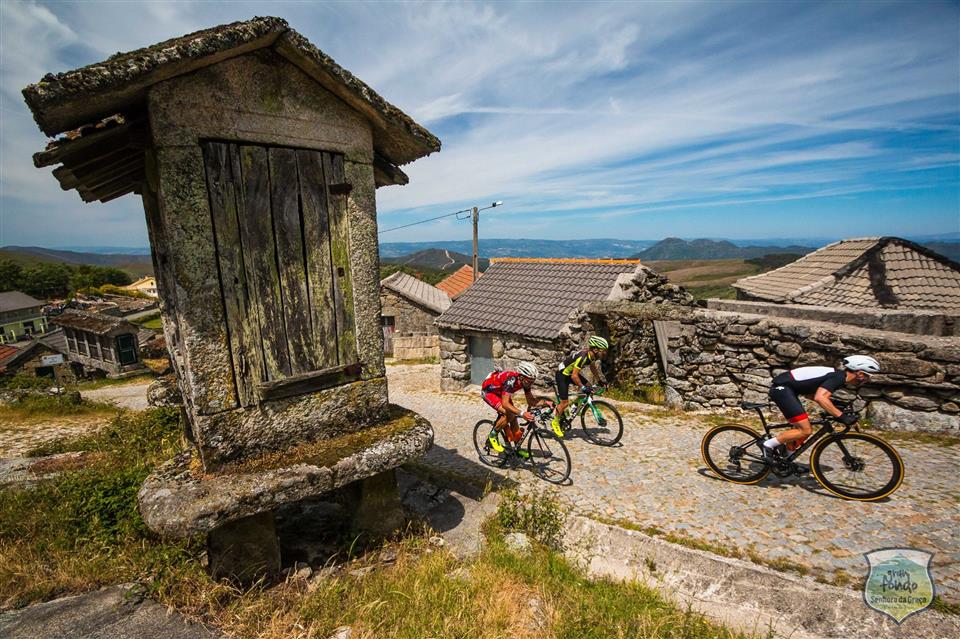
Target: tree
column 46, row 280
column 88, row 276
column 11, row 275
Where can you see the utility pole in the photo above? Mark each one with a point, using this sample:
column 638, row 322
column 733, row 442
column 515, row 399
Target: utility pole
column 476, row 242
column 476, row 220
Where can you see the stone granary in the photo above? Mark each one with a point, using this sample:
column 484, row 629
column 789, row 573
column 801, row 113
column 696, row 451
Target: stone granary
column 257, row 159
column 525, row 309
column 101, row 342
column 866, row 273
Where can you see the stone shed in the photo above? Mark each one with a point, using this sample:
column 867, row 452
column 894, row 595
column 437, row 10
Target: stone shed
column 408, row 307
column 257, row 158
column 865, row 273
column 526, row 309
column 101, row 342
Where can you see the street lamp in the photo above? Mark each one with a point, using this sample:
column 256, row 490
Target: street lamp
column 476, row 220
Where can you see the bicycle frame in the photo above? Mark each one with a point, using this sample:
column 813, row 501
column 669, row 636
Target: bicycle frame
column 826, row 429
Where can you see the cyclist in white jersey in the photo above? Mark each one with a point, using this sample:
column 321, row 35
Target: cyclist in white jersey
column 820, row 382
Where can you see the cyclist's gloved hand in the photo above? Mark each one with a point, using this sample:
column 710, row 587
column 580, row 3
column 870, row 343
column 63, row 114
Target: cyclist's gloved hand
column 527, row 415
column 848, row 418
column 586, row 389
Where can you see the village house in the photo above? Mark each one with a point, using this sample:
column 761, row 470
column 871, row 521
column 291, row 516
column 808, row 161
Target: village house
column 457, row 282
column 146, row 285
column 20, row 317
column 101, row 342
column 867, row 273
column 32, row 360
column 524, row 309
column 408, row 307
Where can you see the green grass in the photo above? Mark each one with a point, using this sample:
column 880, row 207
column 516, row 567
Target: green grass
column 82, row 529
column 33, row 406
column 723, row 292
column 151, row 321
column 411, row 362
column 104, row 382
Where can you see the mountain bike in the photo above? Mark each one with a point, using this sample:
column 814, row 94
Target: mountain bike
column 547, row 456
column 852, row 465
column 600, row 421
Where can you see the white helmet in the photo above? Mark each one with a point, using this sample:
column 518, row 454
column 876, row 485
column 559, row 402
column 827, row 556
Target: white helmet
column 528, row 370
column 863, row 363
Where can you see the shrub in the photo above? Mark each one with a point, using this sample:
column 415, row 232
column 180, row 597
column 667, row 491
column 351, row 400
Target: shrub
column 537, row 514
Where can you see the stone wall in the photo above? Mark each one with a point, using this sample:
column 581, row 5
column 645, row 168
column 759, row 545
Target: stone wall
column 416, row 347
column 710, row 359
column 409, row 318
column 901, row 321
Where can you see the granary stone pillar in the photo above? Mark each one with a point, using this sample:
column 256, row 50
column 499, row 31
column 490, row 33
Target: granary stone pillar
column 257, row 158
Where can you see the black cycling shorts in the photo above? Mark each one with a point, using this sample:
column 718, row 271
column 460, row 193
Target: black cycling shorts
column 788, row 402
column 563, row 385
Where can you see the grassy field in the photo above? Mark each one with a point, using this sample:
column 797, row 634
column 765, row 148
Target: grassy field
column 705, row 278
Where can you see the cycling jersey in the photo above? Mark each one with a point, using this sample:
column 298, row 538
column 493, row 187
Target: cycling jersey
column 803, row 381
column 808, row 379
column 578, row 360
column 497, row 384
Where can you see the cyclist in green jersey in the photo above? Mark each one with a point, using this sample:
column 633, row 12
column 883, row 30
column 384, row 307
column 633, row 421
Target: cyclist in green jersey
column 569, row 370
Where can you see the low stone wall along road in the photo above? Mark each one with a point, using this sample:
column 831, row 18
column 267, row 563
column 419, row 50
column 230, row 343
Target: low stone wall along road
column 657, row 480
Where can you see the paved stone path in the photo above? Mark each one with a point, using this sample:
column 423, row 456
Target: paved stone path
column 657, row 479
column 132, row 395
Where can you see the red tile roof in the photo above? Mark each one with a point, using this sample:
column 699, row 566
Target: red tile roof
column 457, row 282
column 7, row 353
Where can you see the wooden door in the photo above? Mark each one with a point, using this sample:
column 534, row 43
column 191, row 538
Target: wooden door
column 282, row 241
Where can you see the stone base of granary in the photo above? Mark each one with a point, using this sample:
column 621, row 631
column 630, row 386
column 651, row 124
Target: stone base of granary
column 232, row 506
column 245, row 550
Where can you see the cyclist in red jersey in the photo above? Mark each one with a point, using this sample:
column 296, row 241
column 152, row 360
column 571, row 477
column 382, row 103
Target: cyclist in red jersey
column 497, row 391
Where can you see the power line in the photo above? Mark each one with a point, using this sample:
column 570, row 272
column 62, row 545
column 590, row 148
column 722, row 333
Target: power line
column 439, row 217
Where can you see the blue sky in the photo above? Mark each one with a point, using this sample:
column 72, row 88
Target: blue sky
column 627, row 120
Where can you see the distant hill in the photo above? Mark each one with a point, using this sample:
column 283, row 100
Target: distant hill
column 136, row 265
column 498, row 247
column 947, row 249
column 436, row 259
column 674, row 248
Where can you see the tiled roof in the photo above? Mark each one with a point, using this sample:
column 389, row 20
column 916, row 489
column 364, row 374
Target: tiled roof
column 456, row 283
column 56, row 339
column 886, row 272
column 417, row 291
column 97, row 323
column 532, row 298
column 7, row 353
column 15, row 301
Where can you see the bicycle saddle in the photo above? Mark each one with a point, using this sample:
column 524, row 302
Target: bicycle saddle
column 752, row 405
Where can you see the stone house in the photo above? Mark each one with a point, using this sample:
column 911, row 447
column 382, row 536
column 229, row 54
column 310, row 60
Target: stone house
column 525, row 309
column 256, row 157
column 28, row 360
column 20, row 316
column 457, row 282
column 408, row 307
column 101, row 342
column 867, row 273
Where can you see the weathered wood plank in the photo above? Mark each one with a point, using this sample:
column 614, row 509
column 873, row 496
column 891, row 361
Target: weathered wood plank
column 316, row 237
column 310, row 382
column 285, row 203
column 221, row 188
column 340, row 258
column 256, row 232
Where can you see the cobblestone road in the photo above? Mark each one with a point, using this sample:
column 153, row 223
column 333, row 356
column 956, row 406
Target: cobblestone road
column 657, row 479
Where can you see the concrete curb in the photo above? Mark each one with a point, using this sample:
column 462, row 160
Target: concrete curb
column 739, row 594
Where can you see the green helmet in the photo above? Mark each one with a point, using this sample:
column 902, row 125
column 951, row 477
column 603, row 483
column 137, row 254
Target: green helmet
column 598, row 342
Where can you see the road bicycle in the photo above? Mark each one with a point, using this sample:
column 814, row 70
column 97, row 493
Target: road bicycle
column 852, row 465
column 600, row 421
column 546, row 455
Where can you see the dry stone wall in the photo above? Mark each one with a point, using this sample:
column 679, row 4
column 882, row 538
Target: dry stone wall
column 409, row 318
column 714, row 360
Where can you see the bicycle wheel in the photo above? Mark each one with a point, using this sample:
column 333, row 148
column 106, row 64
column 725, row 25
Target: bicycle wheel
column 857, row 466
column 601, row 423
column 733, row 452
column 481, row 436
column 549, row 456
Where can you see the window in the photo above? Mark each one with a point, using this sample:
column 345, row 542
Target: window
column 126, row 349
